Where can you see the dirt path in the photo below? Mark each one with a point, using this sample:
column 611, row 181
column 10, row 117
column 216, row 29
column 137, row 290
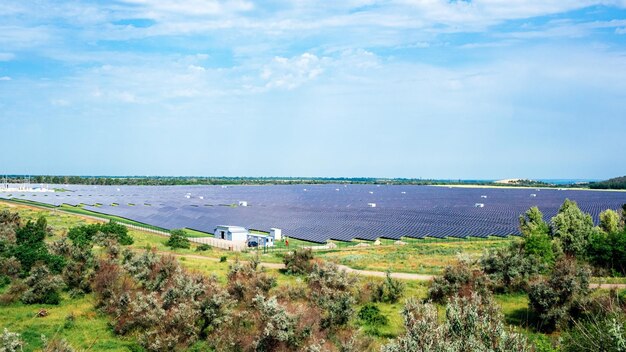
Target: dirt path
column 371, row 273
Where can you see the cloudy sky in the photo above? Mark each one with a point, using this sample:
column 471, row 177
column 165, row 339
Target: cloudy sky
column 390, row 88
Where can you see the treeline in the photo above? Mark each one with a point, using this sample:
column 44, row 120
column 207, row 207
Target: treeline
column 614, row 183
column 193, row 180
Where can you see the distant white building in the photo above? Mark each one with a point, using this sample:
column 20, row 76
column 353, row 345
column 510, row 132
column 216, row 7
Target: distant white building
column 371, row 205
column 277, row 234
column 242, row 235
column 243, row 203
column 479, row 205
column 231, row 233
column 261, row 240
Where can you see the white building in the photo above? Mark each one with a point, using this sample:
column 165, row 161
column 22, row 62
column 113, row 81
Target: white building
column 261, row 240
column 277, row 234
column 231, row 233
column 243, row 203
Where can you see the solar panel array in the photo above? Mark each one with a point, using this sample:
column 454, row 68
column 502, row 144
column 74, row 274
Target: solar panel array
column 321, row 212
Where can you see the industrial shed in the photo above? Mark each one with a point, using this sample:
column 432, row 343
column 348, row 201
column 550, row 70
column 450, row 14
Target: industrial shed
column 231, row 233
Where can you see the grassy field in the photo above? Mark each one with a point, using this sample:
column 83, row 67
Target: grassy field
column 421, row 256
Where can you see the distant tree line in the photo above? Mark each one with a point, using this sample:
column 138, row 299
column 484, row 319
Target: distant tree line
column 202, row 180
column 614, row 183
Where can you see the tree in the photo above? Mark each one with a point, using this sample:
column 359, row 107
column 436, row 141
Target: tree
column 472, row 323
column 553, row 299
column 531, row 222
column 572, row 227
column 610, row 221
column 86, row 234
column 178, row 239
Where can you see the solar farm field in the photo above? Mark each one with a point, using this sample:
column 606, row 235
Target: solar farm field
column 321, row 212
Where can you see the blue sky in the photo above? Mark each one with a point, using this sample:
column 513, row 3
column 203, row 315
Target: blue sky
column 391, row 88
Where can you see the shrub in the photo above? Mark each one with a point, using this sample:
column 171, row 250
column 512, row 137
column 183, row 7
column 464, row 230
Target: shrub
column 223, row 259
column 511, row 268
column 246, row 280
column 42, row 287
column 472, row 323
column 331, row 289
column 277, row 326
column 86, row 234
column 31, row 248
column 553, row 299
column 299, row 261
column 10, row 341
column 459, row 279
column 370, row 314
column 203, row 248
column 389, row 291
column 178, row 239
column 55, row 345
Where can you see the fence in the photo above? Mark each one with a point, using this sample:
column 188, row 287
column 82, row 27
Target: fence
column 219, row 243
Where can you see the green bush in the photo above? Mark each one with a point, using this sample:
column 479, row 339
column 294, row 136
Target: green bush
column 510, row 269
column 42, row 287
column 203, row 248
column 458, row 279
column 573, row 228
column 370, row 314
column 299, row 261
column 223, row 259
column 86, row 234
column 178, row 239
column 554, row 299
column 472, row 323
column 388, row 291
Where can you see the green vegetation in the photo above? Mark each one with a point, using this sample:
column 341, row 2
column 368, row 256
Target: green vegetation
column 613, row 183
column 178, row 239
column 119, row 298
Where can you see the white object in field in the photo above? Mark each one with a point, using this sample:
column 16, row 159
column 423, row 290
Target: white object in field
column 479, row 205
column 336, row 189
column 399, row 243
column 187, row 196
column 261, row 240
column 403, row 192
column 304, row 189
column 371, row 205
column 533, row 195
column 483, row 196
column 243, row 203
column 377, row 243
column 277, row 234
column 231, row 233
column 362, row 245
column 371, row 192
column 201, row 197
column 118, row 189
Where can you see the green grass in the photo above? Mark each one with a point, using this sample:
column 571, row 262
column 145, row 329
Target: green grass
column 90, row 330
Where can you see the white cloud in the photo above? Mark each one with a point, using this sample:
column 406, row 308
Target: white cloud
column 5, row 78
column 290, row 73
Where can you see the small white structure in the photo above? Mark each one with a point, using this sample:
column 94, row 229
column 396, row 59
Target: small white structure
column 371, row 205
column 371, row 192
column 403, row 192
column 533, row 195
column 483, row 196
column 277, row 234
column 243, row 203
column 479, row 205
column 231, row 233
column 261, row 240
